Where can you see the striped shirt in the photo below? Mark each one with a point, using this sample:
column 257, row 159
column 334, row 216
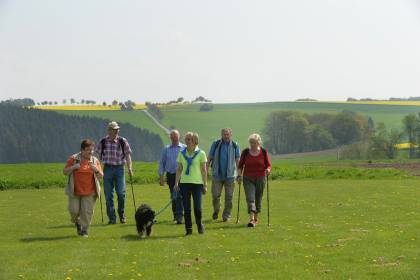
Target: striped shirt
column 112, row 153
column 167, row 161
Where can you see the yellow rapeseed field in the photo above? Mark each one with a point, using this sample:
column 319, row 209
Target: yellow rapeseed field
column 86, row 107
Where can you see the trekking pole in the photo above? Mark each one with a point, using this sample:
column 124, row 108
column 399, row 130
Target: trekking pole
column 132, row 192
column 102, row 213
column 268, row 203
column 239, row 197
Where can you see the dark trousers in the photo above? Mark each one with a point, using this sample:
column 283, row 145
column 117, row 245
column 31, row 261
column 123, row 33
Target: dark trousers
column 194, row 190
column 177, row 207
column 114, row 178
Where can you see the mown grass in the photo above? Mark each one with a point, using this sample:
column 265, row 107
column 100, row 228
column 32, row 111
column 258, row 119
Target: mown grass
column 49, row 175
column 320, row 229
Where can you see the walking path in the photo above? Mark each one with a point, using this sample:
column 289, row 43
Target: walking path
column 167, row 131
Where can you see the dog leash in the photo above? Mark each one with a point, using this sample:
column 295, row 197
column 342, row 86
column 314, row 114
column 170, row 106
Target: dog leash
column 174, row 197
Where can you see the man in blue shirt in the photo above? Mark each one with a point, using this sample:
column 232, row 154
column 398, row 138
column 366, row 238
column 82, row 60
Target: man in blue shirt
column 168, row 164
column 223, row 158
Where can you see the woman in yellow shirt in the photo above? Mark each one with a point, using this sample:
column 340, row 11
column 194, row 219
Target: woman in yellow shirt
column 191, row 180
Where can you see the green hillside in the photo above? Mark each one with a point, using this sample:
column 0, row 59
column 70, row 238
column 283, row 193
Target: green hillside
column 244, row 118
column 136, row 118
column 247, row 118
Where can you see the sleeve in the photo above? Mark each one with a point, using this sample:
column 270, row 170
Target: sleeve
column 178, row 158
column 237, row 151
column 203, row 157
column 69, row 162
column 127, row 148
column 162, row 162
column 212, row 150
column 242, row 161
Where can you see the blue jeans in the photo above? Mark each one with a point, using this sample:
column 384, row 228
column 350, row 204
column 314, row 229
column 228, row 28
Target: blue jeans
column 114, row 177
column 196, row 191
column 177, row 208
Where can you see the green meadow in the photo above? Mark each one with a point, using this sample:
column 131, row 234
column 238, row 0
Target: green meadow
column 244, row 118
column 320, row 229
column 49, row 175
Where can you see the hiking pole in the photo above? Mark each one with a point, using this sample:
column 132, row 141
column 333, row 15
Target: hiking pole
column 268, row 203
column 132, row 192
column 239, row 197
column 102, row 213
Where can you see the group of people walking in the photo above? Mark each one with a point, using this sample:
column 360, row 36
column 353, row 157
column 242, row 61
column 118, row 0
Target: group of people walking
column 185, row 167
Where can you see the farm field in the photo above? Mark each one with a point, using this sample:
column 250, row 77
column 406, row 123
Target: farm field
column 320, row 229
column 244, row 118
column 247, row 118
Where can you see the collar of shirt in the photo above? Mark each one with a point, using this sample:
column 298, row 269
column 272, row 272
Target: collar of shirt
column 112, row 140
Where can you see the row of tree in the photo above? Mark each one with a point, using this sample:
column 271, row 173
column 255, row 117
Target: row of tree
column 32, row 135
column 293, row 131
column 382, row 142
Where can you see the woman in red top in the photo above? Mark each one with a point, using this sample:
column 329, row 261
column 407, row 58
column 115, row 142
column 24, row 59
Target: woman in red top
column 255, row 166
column 83, row 188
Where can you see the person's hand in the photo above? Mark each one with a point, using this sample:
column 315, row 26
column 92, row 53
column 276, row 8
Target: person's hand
column 76, row 166
column 93, row 167
column 239, row 179
column 176, row 188
column 204, row 190
column 161, row 181
column 130, row 172
column 267, row 172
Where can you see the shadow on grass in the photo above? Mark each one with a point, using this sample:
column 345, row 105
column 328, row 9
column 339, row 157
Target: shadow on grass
column 44, row 238
column 135, row 237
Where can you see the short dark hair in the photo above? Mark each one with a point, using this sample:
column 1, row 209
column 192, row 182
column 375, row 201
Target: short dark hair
column 86, row 143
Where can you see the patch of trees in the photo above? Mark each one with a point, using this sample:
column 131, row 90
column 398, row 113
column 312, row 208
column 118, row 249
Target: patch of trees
column 127, row 105
column 23, row 102
column 206, row 107
column 32, row 135
column 201, row 99
column 306, row 100
column 294, row 132
column 382, row 142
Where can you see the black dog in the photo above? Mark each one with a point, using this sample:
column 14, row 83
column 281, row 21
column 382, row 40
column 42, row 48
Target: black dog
column 144, row 219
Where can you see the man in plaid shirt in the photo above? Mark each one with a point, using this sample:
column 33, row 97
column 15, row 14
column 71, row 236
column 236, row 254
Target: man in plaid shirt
column 114, row 152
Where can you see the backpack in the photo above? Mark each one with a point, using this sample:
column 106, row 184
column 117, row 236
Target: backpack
column 120, row 141
column 245, row 153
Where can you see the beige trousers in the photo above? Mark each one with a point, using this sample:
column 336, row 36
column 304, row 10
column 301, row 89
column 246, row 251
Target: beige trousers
column 81, row 209
column 216, row 190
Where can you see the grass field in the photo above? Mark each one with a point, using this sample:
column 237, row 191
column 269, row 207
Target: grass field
column 321, row 229
column 49, row 175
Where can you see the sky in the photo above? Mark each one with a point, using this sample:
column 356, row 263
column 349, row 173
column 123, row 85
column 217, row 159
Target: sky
column 225, row 50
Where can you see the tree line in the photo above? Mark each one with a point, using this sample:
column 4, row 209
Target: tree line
column 294, row 132
column 32, row 135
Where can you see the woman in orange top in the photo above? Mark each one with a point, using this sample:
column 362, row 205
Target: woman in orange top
column 83, row 188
